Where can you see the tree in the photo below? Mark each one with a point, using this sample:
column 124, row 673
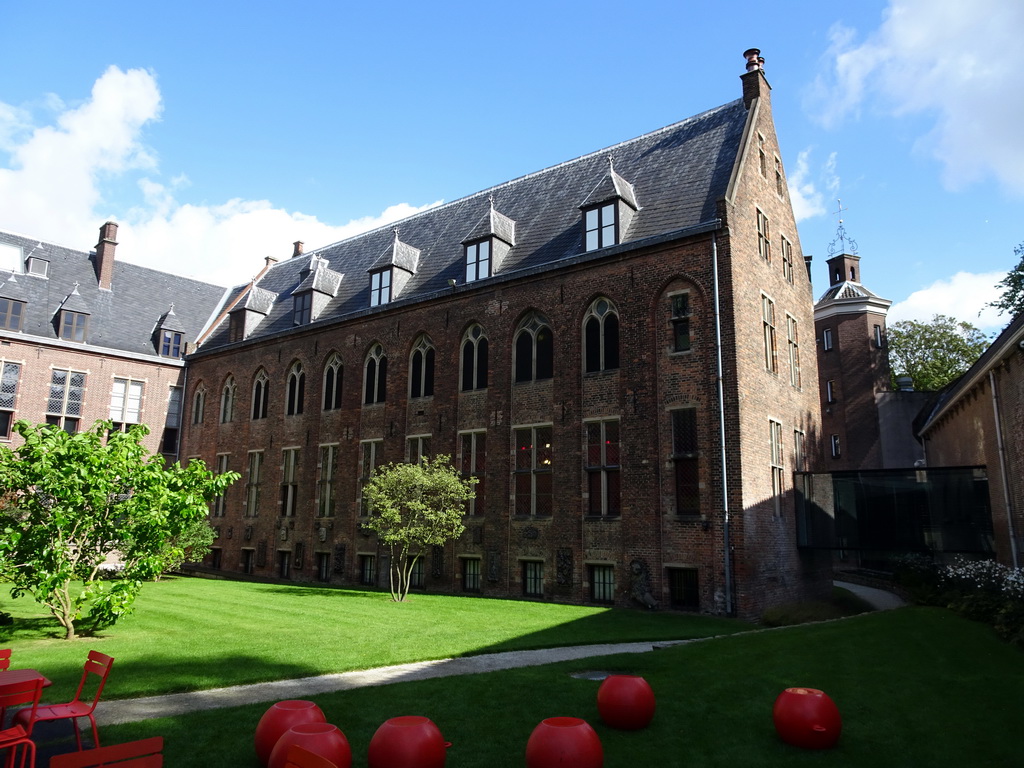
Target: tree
column 413, row 506
column 193, row 544
column 78, row 507
column 1011, row 299
column 934, row 353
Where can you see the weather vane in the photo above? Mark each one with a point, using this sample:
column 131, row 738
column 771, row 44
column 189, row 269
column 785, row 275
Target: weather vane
column 846, row 244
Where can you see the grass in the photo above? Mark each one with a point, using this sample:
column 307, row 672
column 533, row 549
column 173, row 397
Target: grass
column 842, row 603
column 191, row 634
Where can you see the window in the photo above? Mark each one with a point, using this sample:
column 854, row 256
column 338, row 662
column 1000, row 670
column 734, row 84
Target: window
column 472, row 457
column 771, row 361
column 218, row 501
column 879, row 341
column 533, row 471
column 199, row 405
column 787, row 260
column 684, row 588
column 380, row 287
column 534, row 350
column 38, row 267
column 8, row 393
column 284, row 565
column 302, row 308
column 368, row 570
column 169, row 443
column 227, row 401
column 471, row 574
column 601, row 337
column 296, row 395
column 762, row 156
column 533, row 578
column 764, row 240
column 602, row 466
column 125, row 402
column 289, row 481
column 780, row 187
column 325, row 485
column 685, row 461
column 681, row 341
column 835, row 446
column 478, row 261
column 602, row 583
column 799, row 451
column 323, row 566
column 64, row 404
column 73, row 325
column 793, row 342
column 369, row 457
column 170, row 344
column 600, row 227
column 416, row 580
column 421, row 369
column 11, row 314
column 777, row 461
column 249, row 561
column 236, row 326
column 474, row 359
column 332, row 383
column 830, row 391
column 375, row 376
column 252, row 486
column 260, row 395
column 826, row 339
column 417, row 448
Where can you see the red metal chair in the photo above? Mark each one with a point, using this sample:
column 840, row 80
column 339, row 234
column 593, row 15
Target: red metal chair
column 98, row 665
column 299, row 757
column 144, row 753
column 18, row 738
column 5, row 659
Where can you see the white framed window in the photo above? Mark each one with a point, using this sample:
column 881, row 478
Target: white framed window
column 478, row 261
column 302, row 308
column 474, row 359
column 295, row 398
column 333, row 371
column 762, row 156
column 793, row 347
column 64, row 404
column 472, row 463
column 325, row 490
column 375, row 372
column 830, row 391
column 600, row 227
column 602, row 467
column 218, row 501
column 534, row 350
column 799, row 451
column 289, row 481
column 835, row 446
column 471, row 574
column 601, row 337
column 421, row 368
column 227, row 401
column 260, row 395
column 533, row 578
column 777, row 465
column 771, row 356
column 125, row 402
column 826, row 339
column 380, row 287
column 370, row 452
column 169, row 441
column 764, row 238
column 680, row 319
column 11, row 373
column 532, row 470
column 787, row 259
column 602, row 583
column 417, row 448
column 253, row 481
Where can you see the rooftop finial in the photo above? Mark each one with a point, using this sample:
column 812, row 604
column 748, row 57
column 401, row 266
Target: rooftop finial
column 754, row 59
column 842, row 243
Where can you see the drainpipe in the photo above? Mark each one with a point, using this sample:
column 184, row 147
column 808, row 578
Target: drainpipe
column 727, row 555
column 1001, row 447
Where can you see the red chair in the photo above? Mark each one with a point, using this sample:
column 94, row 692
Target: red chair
column 144, row 753
column 5, row 659
column 98, row 665
column 18, row 738
column 300, row 757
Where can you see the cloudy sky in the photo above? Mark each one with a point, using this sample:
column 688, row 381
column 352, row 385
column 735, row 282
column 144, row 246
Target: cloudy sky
column 219, row 133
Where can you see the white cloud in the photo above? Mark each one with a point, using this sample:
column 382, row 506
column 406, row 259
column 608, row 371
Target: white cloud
column 963, row 296
column 946, row 59
column 805, row 186
column 54, row 188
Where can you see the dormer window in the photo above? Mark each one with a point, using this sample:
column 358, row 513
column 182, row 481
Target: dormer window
column 73, row 325
column 600, row 227
column 380, row 287
column 11, row 314
column 170, row 344
column 478, row 260
column 302, row 311
column 37, row 267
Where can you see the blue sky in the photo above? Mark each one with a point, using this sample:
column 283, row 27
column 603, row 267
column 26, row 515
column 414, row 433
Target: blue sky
column 218, row 133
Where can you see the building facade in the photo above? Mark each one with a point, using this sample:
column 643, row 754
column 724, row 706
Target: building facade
column 612, row 346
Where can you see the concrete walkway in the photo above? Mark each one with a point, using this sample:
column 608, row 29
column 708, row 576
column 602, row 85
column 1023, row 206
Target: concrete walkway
column 879, row 598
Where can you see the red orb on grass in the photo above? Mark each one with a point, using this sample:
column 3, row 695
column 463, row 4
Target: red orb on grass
column 625, row 702
column 808, row 718
column 560, row 742
column 408, row 742
column 321, row 739
column 278, row 719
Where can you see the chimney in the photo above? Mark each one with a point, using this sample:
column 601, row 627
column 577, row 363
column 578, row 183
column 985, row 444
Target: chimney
column 104, row 263
column 755, row 84
column 269, row 260
column 299, row 246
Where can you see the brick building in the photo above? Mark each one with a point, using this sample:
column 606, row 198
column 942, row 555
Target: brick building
column 84, row 337
column 611, row 345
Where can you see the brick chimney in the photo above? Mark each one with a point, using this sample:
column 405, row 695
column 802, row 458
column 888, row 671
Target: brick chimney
column 755, row 84
column 298, row 248
column 104, row 263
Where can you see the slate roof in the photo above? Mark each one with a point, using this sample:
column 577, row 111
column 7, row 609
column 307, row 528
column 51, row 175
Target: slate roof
column 846, row 290
column 124, row 318
column 676, row 174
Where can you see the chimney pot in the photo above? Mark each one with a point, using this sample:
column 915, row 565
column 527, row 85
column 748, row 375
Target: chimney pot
column 298, row 249
column 754, row 59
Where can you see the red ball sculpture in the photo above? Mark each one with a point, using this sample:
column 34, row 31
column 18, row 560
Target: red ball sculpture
column 407, row 742
column 625, row 702
column 808, row 718
column 321, row 739
column 559, row 742
column 278, row 719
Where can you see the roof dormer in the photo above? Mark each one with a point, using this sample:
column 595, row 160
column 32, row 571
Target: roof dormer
column 318, row 285
column 608, row 211
column 488, row 243
column 72, row 317
column 249, row 313
column 392, row 270
column 169, row 335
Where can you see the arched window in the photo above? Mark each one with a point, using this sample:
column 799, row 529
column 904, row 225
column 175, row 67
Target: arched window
column 375, row 375
column 332, row 382
column 260, row 394
column 474, row 359
column 421, row 368
column 199, row 405
column 601, row 337
column 296, row 396
column 534, row 349
column 227, row 401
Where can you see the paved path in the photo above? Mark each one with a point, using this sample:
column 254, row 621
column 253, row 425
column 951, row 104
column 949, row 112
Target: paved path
column 879, row 598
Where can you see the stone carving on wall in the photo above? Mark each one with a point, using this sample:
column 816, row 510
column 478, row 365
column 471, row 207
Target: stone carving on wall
column 563, row 567
column 640, row 588
column 437, row 562
column 493, row 565
column 339, row 558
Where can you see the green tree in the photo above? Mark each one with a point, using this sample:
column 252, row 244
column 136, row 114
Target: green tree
column 193, row 544
column 1011, row 299
column 87, row 517
column 934, row 353
column 413, row 506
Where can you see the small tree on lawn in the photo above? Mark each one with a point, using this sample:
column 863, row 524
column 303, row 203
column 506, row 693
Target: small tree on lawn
column 415, row 506
column 193, row 544
column 70, row 503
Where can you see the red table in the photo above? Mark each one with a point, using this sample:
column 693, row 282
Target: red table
column 21, row 675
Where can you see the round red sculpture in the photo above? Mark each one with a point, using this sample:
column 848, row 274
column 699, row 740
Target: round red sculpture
column 558, row 742
column 278, row 719
column 625, row 702
column 808, row 718
column 407, row 742
column 321, row 739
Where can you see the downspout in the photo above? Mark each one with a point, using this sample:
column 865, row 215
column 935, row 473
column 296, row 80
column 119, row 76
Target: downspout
column 181, row 412
column 1001, row 447
column 726, row 555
